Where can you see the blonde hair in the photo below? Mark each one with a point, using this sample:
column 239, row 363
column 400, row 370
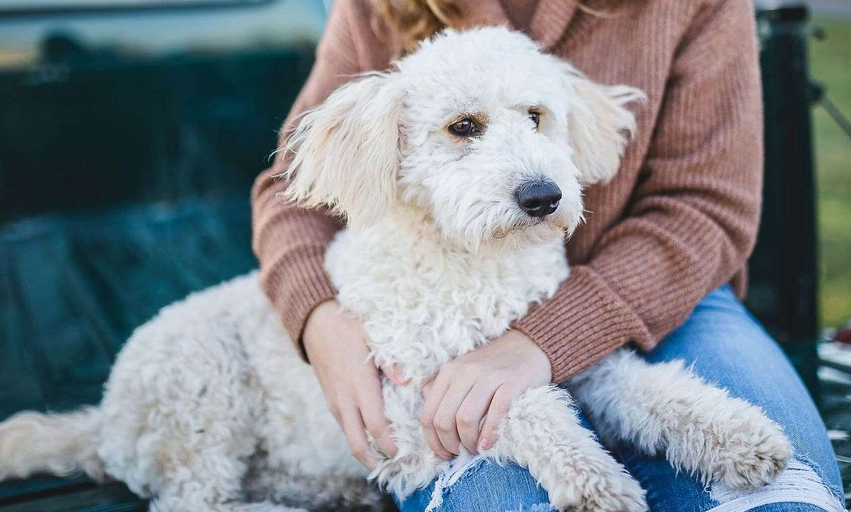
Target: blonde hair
column 416, row 20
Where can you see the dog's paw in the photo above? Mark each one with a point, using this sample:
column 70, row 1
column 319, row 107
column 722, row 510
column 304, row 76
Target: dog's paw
column 740, row 447
column 754, row 456
column 599, row 489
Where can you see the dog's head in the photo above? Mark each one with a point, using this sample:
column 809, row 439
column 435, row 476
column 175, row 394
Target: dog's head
column 479, row 129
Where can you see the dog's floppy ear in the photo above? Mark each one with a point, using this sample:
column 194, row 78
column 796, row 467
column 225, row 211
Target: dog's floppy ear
column 347, row 151
column 599, row 125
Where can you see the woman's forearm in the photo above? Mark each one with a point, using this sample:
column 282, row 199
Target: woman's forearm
column 290, row 242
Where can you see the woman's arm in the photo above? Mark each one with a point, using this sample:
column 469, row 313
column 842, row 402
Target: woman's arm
column 693, row 218
column 690, row 227
column 290, row 243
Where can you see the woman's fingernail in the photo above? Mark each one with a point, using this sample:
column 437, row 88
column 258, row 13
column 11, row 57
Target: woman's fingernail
column 484, row 444
column 396, row 375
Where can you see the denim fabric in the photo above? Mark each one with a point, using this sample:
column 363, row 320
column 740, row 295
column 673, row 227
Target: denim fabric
column 728, row 348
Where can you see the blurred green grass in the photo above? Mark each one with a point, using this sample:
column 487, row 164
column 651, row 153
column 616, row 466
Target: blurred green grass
column 831, row 65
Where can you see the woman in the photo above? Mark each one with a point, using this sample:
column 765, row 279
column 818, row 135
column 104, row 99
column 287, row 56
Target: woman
column 650, row 267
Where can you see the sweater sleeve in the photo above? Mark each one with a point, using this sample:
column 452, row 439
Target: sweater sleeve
column 290, row 242
column 692, row 219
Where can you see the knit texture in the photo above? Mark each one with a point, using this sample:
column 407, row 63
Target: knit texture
column 679, row 219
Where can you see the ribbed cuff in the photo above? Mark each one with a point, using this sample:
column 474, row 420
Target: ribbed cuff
column 581, row 324
column 296, row 284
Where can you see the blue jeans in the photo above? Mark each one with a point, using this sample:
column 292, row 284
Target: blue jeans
column 727, row 347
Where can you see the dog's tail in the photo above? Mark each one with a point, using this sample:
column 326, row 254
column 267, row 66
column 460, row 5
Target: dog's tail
column 58, row 444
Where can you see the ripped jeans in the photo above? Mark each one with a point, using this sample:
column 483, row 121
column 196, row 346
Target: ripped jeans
column 728, row 348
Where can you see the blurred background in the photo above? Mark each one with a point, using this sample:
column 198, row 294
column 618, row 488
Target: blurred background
column 831, row 66
column 131, row 131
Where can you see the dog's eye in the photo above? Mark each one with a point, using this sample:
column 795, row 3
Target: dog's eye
column 464, row 128
column 535, row 116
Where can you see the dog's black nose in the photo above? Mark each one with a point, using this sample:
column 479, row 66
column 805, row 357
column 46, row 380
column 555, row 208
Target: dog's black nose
column 539, row 198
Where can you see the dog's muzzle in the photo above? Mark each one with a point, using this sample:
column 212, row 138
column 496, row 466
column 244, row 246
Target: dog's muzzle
column 538, row 198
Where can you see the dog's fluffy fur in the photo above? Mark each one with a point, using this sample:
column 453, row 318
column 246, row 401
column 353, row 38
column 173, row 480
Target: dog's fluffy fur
column 210, row 408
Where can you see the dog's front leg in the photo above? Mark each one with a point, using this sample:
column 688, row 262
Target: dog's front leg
column 542, row 432
column 665, row 408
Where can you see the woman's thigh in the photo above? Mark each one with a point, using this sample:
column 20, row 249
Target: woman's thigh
column 728, row 348
column 723, row 344
column 483, row 487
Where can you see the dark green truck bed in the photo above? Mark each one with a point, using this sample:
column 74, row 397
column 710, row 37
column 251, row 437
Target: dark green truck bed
column 129, row 138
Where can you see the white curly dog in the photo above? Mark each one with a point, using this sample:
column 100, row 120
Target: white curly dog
column 460, row 171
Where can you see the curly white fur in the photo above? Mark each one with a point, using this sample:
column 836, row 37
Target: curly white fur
column 209, row 407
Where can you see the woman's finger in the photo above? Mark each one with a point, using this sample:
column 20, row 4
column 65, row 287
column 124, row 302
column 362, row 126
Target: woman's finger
column 471, row 413
column 444, row 418
column 427, row 388
column 371, row 405
column 437, row 388
column 396, row 374
column 499, row 406
column 355, row 432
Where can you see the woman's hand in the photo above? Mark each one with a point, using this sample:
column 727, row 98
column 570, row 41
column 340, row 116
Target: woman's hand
column 480, row 384
column 336, row 347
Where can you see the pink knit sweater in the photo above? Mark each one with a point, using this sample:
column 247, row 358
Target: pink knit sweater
column 679, row 219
